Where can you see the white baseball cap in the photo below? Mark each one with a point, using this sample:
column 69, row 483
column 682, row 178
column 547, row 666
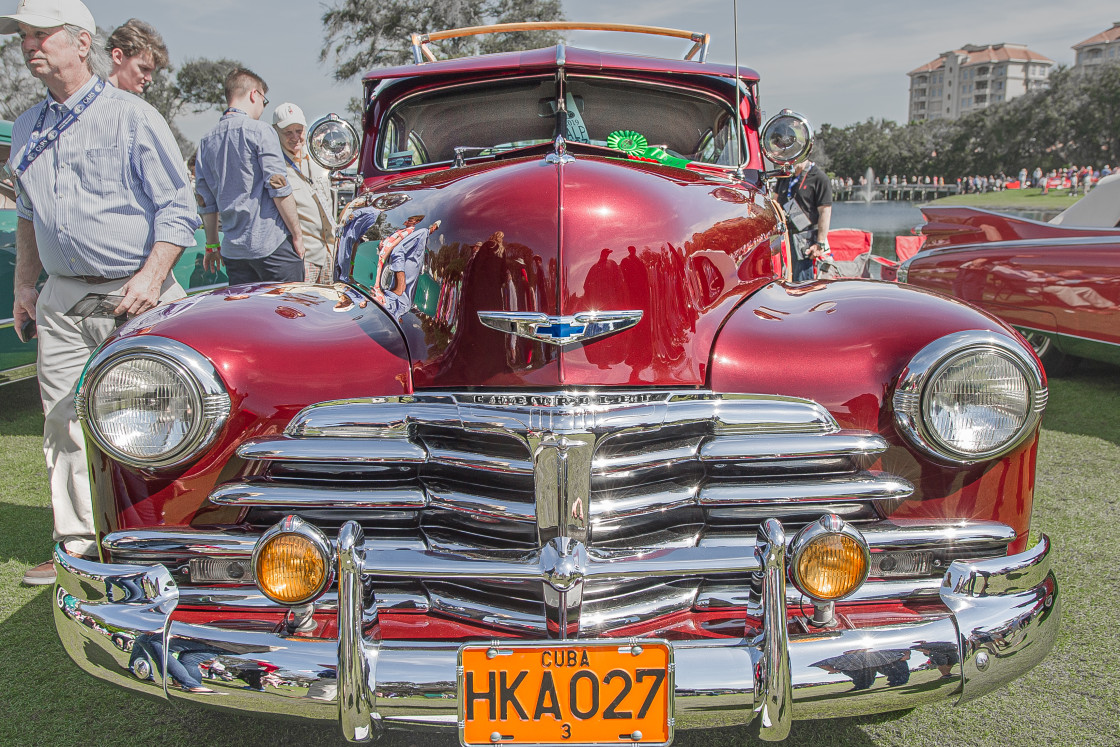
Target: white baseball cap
column 288, row 114
column 46, row 14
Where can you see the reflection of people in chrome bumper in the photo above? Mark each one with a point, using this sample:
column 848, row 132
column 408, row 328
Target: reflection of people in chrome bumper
column 862, row 666
column 147, row 656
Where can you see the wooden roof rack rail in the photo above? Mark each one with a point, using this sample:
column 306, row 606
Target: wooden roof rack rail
column 421, row 51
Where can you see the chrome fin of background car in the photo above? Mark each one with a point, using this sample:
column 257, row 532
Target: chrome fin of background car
column 560, row 330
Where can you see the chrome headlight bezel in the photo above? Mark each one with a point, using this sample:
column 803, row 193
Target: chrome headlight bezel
column 788, row 118
column 207, row 392
column 332, row 124
column 911, row 395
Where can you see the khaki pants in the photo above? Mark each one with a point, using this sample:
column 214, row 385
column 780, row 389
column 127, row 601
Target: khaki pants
column 65, row 344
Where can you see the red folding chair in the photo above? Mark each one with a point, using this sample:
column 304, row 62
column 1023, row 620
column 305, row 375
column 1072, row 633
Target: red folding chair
column 906, row 247
column 850, row 250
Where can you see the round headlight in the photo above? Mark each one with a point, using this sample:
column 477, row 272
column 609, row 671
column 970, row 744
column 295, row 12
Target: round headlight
column 333, row 142
column 787, row 138
column 829, row 559
column 292, row 562
column 970, row 396
column 151, row 402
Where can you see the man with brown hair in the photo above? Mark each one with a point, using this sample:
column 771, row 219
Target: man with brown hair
column 237, row 162
column 137, row 51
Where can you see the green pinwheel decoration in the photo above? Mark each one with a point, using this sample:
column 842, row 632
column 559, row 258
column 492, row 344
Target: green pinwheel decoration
column 635, row 145
column 629, row 142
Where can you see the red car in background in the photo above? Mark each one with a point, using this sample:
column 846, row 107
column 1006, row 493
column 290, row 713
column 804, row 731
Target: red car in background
column 1058, row 282
column 561, row 458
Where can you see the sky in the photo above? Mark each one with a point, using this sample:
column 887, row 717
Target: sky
column 835, row 62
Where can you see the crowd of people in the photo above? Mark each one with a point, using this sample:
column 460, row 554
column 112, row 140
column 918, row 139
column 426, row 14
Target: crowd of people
column 106, row 206
column 1073, row 179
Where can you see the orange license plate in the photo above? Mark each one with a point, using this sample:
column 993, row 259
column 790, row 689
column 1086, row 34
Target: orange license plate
column 586, row 692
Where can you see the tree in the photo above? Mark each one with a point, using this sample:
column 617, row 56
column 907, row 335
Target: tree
column 198, row 86
column 18, row 90
column 363, row 34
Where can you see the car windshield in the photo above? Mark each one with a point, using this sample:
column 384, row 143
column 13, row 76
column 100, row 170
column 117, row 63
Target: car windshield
column 659, row 123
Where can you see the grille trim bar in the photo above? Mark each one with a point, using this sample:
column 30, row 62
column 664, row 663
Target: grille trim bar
column 772, row 447
column 325, row 449
column 873, row 486
column 279, row 496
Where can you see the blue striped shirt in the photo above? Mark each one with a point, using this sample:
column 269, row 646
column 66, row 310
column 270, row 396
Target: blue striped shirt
column 111, row 186
column 238, row 161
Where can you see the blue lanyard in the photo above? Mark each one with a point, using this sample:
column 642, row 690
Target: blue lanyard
column 795, row 185
column 299, row 171
column 38, row 144
column 235, row 110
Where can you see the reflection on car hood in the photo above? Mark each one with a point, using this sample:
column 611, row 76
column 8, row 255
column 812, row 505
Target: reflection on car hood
column 590, row 234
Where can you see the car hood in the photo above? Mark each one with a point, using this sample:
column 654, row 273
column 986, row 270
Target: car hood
column 561, row 236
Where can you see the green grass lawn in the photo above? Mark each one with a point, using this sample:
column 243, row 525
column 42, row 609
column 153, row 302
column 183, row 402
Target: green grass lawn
column 1014, row 199
column 1070, row 699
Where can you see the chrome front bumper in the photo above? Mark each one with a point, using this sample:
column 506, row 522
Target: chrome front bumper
column 1000, row 619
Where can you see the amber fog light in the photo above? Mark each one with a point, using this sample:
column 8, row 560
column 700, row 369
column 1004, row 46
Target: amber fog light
column 829, row 559
column 292, row 562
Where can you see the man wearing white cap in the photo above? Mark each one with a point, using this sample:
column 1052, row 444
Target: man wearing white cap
column 311, row 190
column 105, row 207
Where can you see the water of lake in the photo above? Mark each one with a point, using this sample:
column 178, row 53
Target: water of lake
column 884, row 220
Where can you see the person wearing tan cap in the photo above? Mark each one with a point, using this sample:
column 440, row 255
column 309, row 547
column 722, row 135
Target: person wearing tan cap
column 104, row 207
column 311, row 189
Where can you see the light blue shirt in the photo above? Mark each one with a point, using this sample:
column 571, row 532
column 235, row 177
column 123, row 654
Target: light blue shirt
column 111, row 186
column 238, row 162
column 406, row 257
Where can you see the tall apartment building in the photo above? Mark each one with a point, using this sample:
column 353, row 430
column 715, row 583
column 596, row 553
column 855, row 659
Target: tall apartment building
column 1103, row 47
column 974, row 77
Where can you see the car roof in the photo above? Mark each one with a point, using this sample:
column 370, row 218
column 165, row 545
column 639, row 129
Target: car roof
column 551, row 58
column 1099, row 208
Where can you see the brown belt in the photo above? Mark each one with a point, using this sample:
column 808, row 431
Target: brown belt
column 94, row 279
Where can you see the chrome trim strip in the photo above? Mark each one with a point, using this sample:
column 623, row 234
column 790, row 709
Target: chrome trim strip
column 18, row 373
column 867, row 486
column 514, row 415
column 909, row 534
column 792, row 446
column 615, row 506
column 344, row 450
column 295, row 496
column 881, row 536
column 481, row 462
column 182, row 543
column 481, row 505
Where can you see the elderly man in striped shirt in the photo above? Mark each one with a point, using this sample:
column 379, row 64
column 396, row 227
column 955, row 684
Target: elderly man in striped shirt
column 105, row 207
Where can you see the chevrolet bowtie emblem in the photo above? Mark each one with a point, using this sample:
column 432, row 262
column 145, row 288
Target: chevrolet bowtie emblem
column 560, row 330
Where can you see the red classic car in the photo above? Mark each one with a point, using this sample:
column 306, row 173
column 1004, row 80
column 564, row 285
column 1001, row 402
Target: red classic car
column 560, row 458
column 1058, row 282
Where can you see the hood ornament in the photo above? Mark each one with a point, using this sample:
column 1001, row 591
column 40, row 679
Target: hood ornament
column 559, row 152
column 560, row 330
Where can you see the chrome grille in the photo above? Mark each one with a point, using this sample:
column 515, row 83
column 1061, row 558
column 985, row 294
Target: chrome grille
column 501, row 474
